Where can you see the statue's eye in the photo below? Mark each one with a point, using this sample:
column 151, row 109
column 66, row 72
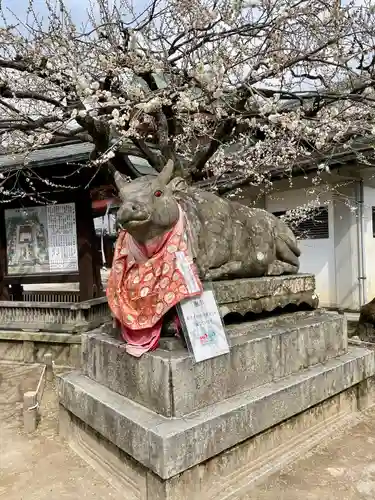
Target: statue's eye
column 158, row 193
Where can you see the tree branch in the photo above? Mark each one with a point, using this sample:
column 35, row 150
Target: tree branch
column 39, row 123
column 154, row 160
column 288, row 64
column 99, row 130
column 6, row 92
column 222, row 134
column 15, row 110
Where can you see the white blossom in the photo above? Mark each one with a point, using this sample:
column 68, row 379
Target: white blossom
column 262, row 85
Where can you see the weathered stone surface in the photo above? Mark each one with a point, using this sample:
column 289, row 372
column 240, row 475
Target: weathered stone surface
column 68, row 355
column 15, row 380
column 228, row 240
column 256, row 295
column 269, row 304
column 237, row 329
column 128, row 425
column 170, row 446
column 145, row 380
column 169, row 383
column 30, row 347
column 267, row 286
column 28, row 352
column 48, row 337
column 229, row 475
column 11, row 351
column 54, row 316
column 284, row 321
column 121, row 471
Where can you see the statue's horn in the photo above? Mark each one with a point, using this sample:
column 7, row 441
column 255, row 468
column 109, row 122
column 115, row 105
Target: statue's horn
column 119, row 180
column 166, row 175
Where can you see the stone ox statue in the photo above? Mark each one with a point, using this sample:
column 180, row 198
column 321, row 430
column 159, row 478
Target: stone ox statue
column 227, row 240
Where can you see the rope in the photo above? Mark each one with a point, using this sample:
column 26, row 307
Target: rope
column 33, row 407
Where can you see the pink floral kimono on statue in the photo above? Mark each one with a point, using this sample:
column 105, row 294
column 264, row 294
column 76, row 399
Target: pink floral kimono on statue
column 146, row 282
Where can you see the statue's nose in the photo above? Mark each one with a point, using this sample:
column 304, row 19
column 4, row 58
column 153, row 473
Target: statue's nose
column 131, row 207
column 131, row 211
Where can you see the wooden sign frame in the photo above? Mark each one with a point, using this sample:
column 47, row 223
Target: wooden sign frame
column 88, row 274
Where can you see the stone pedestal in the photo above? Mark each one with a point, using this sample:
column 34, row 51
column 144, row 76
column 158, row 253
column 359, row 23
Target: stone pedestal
column 164, row 428
column 29, row 330
column 31, row 347
column 259, row 295
column 56, row 317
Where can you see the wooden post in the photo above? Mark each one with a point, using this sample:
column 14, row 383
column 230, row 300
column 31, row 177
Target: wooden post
column 89, row 270
column 4, row 295
column 49, row 366
column 96, row 261
column 30, row 411
column 108, row 250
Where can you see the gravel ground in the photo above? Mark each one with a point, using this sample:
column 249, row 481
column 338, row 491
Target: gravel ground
column 40, row 466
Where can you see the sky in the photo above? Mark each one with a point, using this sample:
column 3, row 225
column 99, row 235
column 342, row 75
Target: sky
column 78, row 8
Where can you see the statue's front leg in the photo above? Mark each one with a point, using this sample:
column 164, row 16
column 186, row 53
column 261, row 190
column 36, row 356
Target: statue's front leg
column 229, row 270
column 277, row 268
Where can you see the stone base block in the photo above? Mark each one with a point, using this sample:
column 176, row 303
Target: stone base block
column 168, row 382
column 230, row 474
column 170, row 446
column 63, row 317
column 257, row 295
column 30, row 347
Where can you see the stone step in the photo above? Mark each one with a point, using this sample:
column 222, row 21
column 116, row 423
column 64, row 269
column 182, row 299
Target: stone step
column 171, row 384
column 285, row 321
column 169, row 446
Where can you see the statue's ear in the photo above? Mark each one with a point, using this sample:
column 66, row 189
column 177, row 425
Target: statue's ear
column 177, row 184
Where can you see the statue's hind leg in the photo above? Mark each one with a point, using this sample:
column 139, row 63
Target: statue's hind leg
column 285, row 254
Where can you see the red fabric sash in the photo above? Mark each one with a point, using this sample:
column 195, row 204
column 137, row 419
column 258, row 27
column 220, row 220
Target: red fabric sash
column 145, row 283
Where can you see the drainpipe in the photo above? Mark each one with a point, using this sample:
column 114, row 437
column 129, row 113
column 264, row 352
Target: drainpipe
column 361, row 244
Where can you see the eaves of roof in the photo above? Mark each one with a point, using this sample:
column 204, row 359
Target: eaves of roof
column 77, row 152
column 48, row 156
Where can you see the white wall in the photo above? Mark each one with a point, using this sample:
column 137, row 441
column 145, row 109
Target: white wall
column 107, row 223
column 346, row 248
column 369, row 241
column 334, row 261
column 317, row 256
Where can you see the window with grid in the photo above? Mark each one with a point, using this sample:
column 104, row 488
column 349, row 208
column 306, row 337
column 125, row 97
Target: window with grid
column 316, row 227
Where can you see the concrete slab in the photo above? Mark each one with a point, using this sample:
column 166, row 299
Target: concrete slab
column 170, row 446
column 170, row 383
column 342, row 468
column 231, row 475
